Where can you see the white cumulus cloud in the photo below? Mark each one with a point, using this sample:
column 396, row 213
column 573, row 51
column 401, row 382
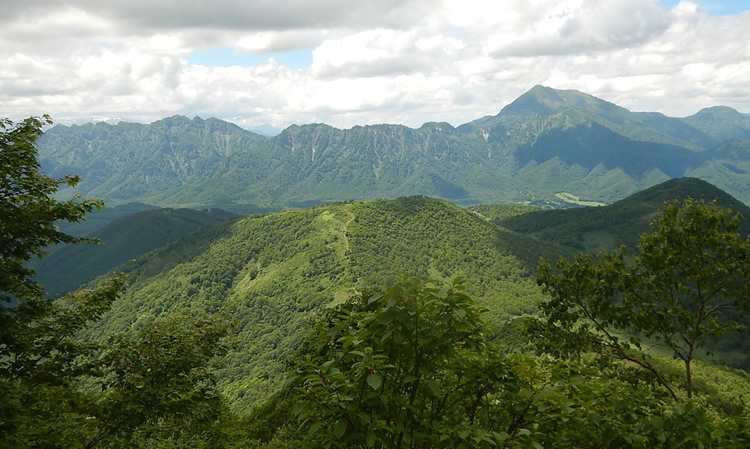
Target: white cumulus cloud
column 370, row 61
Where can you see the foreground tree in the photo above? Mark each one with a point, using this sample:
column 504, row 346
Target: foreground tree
column 154, row 383
column 689, row 280
column 158, row 385
column 40, row 354
column 410, row 370
column 29, row 210
column 42, row 361
column 412, row 367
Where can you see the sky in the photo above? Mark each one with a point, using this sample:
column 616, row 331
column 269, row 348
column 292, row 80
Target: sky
column 273, row 63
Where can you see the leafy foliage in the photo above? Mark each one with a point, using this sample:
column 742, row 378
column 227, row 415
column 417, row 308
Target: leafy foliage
column 412, row 367
column 690, row 280
column 41, row 360
column 154, row 382
column 413, row 371
column 37, row 337
column 28, row 208
column 158, row 383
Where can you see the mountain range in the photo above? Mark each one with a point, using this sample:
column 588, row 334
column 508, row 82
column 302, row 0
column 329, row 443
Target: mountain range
column 548, row 147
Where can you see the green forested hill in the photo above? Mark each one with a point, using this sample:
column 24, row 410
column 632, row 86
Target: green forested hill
column 544, row 143
column 97, row 219
column 66, row 268
column 593, row 228
column 721, row 123
column 272, row 272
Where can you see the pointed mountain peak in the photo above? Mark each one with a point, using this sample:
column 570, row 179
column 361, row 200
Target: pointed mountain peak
column 542, row 101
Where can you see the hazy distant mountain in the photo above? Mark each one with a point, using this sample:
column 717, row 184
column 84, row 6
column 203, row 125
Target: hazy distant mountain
column 265, row 130
column 127, row 161
column 544, row 143
column 721, row 123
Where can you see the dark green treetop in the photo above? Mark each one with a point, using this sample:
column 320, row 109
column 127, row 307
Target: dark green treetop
column 28, row 209
column 689, row 280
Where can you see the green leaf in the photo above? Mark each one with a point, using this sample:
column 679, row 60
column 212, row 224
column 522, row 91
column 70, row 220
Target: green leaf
column 340, row 429
column 370, row 439
column 314, row 428
column 374, row 380
column 435, row 387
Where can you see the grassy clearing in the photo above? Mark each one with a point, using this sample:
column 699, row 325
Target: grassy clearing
column 575, row 199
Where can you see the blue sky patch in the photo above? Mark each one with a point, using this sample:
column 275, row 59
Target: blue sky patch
column 715, row 7
column 227, row 57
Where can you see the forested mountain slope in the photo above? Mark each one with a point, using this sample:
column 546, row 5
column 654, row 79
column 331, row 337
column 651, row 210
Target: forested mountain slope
column 271, row 273
column 546, row 142
column 68, row 267
column 592, row 228
column 97, row 219
column 245, row 313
